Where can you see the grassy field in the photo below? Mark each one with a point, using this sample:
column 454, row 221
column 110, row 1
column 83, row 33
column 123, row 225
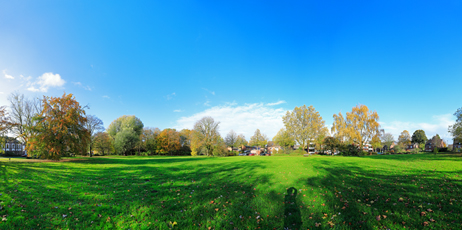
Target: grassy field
column 321, row 192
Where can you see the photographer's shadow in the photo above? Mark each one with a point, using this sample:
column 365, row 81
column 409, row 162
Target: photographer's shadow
column 292, row 215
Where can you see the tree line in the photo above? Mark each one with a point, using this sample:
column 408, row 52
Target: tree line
column 53, row 127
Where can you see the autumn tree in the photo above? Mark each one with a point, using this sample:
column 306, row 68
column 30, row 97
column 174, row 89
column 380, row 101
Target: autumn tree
column 125, row 131
column 304, row 124
column 102, row 142
column 376, row 143
column 169, row 141
column 23, row 111
column 404, row 138
column 205, row 136
column 339, row 129
column 359, row 127
column 94, row 125
column 241, row 141
column 258, row 139
column 283, row 139
column 419, row 137
column 60, row 128
column 231, row 139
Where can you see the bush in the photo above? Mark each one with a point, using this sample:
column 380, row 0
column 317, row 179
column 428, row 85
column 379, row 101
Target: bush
column 435, row 150
column 442, row 150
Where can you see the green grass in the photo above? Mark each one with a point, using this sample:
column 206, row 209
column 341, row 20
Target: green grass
column 233, row 193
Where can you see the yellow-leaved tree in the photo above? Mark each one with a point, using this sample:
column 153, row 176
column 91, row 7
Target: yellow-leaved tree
column 305, row 125
column 359, row 127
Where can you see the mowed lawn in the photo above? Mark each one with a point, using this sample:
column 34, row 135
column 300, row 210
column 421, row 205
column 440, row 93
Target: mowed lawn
column 320, row 192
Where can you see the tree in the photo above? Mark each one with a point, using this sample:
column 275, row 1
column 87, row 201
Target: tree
column 149, row 139
column 376, row 142
column 283, row 139
column 436, row 142
column 419, row 137
column 205, row 136
column 60, row 128
column 331, row 144
column 94, row 125
column 404, row 138
column 304, row 124
column 456, row 128
column 102, row 142
column 240, row 140
column 169, row 141
column 130, row 128
column 387, row 139
column 339, row 129
column 23, row 110
column 231, row 139
column 258, row 139
column 360, row 126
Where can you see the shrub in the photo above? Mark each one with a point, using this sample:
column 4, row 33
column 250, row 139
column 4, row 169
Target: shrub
column 435, row 150
column 442, row 150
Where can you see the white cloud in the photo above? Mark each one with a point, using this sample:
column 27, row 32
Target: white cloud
column 46, row 81
column 82, row 86
column 170, row 96
column 77, row 83
column 2, row 93
column 106, row 96
column 207, row 103
column 33, row 89
column 439, row 125
column 7, row 76
column 211, row 92
column 277, row 103
column 243, row 119
column 177, row 110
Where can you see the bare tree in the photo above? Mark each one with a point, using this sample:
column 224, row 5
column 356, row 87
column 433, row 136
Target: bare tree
column 231, row 139
column 23, row 111
column 94, row 125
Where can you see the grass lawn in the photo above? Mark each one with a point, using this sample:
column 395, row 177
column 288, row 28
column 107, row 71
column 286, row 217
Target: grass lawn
column 320, row 192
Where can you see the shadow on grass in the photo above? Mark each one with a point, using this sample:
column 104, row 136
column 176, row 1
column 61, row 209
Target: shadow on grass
column 376, row 199
column 133, row 194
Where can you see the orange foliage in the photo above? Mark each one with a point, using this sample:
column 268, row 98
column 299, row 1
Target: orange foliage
column 60, row 128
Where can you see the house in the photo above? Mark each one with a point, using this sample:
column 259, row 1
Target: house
column 429, row 146
column 14, row 147
column 412, row 146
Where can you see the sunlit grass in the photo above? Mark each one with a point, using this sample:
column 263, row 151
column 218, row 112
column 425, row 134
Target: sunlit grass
column 396, row 191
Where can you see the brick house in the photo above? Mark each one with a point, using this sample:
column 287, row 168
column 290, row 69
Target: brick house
column 412, row 146
column 429, row 146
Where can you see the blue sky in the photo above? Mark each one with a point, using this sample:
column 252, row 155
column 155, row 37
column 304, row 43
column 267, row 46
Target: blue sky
column 243, row 62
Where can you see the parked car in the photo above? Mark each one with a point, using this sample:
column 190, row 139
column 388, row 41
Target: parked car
column 262, row 154
column 252, row 154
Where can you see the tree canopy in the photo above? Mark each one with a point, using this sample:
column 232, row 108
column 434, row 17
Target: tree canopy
column 283, row 139
column 258, row 139
column 231, row 139
column 360, row 125
column 419, row 137
column 304, row 124
column 404, row 138
column 60, row 128
column 456, row 128
column 205, row 136
column 126, row 131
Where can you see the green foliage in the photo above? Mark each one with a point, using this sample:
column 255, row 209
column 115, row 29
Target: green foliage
column 419, row 137
column 435, row 150
column 258, row 139
column 331, row 144
column 398, row 148
column 283, row 139
column 126, row 131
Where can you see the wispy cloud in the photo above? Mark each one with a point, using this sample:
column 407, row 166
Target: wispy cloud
column 177, row 110
column 7, row 76
column 438, row 125
column 106, row 96
column 79, row 84
column 277, row 103
column 207, row 103
column 46, row 81
column 243, row 119
column 170, row 96
column 211, row 92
